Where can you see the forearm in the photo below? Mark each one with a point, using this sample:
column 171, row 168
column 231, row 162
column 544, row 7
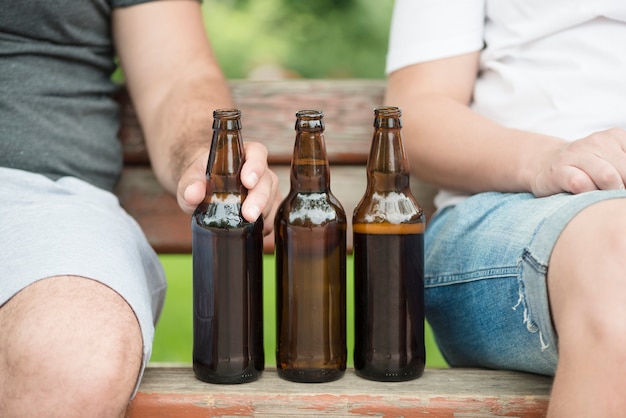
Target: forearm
column 174, row 80
column 179, row 129
column 176, row 83
column 453, row 147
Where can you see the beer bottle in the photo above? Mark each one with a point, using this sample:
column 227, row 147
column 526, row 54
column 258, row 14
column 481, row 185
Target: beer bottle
column 388, row 242
column 227, row 253
column 310, row 238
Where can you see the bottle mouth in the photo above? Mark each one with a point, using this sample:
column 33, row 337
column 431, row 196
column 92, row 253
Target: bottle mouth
column 228, row 119
column 309, row 120
column 229, row 113
column 310, row 113
column 388, row 117
column 388, row 111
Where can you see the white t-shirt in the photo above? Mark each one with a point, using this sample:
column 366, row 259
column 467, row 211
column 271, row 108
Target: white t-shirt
column 556, row 67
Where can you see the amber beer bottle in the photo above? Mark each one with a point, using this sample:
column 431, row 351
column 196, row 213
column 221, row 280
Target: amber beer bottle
column 227, row 267
column 388, row 240
column 310, row 238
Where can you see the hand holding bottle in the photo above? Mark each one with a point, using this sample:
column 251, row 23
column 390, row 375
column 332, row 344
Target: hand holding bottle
column 227, row 266
column 262, row 184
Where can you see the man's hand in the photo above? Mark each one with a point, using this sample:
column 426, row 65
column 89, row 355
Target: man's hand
column 263, row 193
column 595, row 162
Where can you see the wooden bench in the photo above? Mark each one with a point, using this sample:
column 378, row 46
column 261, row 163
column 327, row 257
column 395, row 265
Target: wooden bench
column 268, row 116
column 175, row 392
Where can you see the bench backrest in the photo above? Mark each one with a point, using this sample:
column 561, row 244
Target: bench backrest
column 268, row 116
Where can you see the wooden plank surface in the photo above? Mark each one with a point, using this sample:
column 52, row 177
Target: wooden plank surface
column 169, row 230
column 175, row 392
column 269, row 114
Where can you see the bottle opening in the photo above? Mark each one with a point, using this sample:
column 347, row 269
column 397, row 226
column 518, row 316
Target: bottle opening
column 309, row 120
column 227, row 119
column 227, row 113
column 388, row 111
column 387, row 117
column 310, row 114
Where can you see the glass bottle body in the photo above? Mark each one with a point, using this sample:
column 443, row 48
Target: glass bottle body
column 310, row 237
column 388, row 227
column 227, row 268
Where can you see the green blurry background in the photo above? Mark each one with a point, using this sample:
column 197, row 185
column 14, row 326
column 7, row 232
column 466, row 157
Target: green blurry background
column 305, row 38
column 274, row 39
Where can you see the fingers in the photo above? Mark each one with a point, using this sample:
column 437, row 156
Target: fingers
column 275, row 203
column 192, row 184
column 606, row 161
column 263, row 200
column 255, row 164
column 590, row 172
column 263, row 191
column 262, row 184
column 576, row 180
column 620, row 154
column 193, row 195
column 596, row 162
column 605, row 175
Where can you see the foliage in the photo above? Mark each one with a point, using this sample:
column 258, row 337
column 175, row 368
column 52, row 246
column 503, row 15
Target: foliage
column 311, row 39
column 173, row 338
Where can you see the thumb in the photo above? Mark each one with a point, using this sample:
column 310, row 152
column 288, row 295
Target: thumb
column 192, row 186
column 191, row 196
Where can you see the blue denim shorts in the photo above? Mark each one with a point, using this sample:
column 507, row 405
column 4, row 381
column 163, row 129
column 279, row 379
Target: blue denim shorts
column 486, row 261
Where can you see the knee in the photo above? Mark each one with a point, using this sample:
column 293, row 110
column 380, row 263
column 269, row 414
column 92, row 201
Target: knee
column 102, row 387
column 38, row 382
column 77, row 358
column 587, row 276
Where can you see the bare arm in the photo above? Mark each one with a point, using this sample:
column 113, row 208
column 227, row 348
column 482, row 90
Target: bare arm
column 452, row 147
column 176, row 83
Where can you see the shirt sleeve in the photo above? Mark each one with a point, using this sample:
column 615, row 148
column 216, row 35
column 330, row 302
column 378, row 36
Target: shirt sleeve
column 426, row 30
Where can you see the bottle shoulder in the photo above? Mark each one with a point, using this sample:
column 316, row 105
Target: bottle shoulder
column 221, row 210
column 391, row 207
column 311, row 208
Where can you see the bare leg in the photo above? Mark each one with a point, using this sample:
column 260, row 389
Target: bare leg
column 69, row 347
column 587, row 286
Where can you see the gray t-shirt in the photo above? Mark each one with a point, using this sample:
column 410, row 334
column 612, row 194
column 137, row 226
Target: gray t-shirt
column 57, row 114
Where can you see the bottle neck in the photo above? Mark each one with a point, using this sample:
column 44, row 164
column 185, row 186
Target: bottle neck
column 226, row 156
column 387, row 165
column 309, row 167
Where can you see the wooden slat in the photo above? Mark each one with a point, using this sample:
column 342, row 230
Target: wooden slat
column 268, row 109
column 169, row 230
column 175, row 392
column 268, row 116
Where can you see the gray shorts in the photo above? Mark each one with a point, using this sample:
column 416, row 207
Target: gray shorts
column 69, row 227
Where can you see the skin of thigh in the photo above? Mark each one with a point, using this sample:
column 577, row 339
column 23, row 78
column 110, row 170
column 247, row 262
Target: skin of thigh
column 69, row 346
column 587, row 290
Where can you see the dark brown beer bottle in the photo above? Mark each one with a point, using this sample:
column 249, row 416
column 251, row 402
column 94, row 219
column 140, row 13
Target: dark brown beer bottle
column 227, row 267
column 388, row 228
column 310, row 237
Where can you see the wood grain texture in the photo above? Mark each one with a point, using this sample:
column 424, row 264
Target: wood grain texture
column 269, row 114
column 175, row 392
column 169, row 229
column 268, row 110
